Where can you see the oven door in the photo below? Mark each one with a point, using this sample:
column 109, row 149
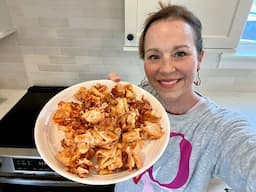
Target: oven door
column 23, row 167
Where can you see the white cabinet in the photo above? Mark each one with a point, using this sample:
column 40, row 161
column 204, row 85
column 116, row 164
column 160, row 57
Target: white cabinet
column 222, row 20
column 6, row 26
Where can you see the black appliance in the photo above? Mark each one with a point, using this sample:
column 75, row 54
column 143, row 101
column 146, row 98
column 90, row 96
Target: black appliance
column 20, row 163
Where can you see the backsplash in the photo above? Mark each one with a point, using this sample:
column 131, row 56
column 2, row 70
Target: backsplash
column 63, row 42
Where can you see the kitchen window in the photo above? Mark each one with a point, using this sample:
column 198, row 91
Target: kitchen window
column 249, row 35
column 245, row 55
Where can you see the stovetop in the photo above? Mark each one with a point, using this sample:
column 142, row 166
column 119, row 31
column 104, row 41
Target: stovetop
column 17, row 126
column 20, row 163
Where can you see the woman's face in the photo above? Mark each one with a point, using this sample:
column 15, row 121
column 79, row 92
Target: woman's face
column 171, row 60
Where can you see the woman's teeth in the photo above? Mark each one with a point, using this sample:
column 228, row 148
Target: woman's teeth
column 169, row 82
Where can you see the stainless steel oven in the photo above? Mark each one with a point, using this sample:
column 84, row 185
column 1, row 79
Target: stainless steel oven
column 20, row 163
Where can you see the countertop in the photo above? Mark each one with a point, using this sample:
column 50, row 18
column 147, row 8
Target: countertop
column 8, row 98
column 244, row 103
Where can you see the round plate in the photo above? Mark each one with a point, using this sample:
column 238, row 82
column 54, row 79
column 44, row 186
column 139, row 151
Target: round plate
column 48, row 137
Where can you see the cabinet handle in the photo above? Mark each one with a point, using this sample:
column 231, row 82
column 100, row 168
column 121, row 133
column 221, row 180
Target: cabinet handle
column 130, row 37
column 228, row 190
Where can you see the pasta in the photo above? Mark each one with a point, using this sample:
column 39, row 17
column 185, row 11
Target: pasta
column 105, row 129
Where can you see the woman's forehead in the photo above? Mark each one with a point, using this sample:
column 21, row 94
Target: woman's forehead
column 169, row 32
column 170, row 24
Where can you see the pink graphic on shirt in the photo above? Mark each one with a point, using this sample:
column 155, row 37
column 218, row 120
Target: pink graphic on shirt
column 147, row 184
column 147, row 187
column 183, row 170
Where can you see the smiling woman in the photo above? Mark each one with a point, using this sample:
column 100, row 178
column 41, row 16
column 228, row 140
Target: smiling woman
column 210, row 137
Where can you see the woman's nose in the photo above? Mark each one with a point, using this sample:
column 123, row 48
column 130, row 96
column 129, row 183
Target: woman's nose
column 167, row 65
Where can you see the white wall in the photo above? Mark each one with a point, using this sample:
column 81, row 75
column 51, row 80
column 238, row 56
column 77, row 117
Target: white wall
column 63, row 42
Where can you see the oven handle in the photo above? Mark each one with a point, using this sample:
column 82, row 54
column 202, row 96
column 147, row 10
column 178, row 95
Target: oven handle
column 39, row 182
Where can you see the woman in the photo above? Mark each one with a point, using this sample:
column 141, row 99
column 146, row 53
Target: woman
column 206, row 141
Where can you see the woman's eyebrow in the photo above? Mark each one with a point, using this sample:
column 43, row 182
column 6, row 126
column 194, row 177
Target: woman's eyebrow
column 174, row 48
column 181, row 46
column 151, row 49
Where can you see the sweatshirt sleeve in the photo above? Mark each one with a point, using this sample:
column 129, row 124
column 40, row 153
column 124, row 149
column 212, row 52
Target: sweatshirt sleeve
column 236, row 152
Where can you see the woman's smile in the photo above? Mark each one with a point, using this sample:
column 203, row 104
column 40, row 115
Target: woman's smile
column 168, row 83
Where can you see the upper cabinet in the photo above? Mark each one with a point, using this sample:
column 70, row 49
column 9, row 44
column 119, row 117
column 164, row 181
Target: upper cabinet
column 223, row 20
column 6, row 26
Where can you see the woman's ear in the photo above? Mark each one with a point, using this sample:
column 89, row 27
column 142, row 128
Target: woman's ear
column 200, row 59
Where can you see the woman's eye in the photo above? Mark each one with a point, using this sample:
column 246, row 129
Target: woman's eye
column 153, row 57
column 180, row 54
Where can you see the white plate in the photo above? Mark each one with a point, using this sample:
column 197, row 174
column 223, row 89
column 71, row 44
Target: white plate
column 48, row 137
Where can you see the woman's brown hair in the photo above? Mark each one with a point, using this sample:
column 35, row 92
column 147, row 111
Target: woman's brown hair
column 175, row 12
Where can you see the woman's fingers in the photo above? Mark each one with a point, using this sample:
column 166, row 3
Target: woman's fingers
column 114, row 77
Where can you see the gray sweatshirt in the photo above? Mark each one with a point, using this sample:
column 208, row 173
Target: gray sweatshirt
column 208, row 141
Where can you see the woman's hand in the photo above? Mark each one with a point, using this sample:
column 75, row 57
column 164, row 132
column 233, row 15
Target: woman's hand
column 114, row 77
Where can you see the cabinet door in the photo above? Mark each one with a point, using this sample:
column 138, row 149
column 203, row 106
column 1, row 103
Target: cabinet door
column 6, row 27
column 222, row 20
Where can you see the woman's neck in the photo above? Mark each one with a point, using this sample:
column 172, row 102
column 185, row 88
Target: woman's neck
column 181, row 105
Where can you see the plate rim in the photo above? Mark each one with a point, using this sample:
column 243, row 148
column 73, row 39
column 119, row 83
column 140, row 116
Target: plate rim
column 102, row 181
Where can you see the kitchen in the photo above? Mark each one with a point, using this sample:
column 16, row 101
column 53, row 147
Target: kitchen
column 62, row 42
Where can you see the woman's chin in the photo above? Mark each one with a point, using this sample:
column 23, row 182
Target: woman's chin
column 168, row 97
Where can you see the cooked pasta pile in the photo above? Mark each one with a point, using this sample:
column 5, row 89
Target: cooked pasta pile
column 109, row 125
